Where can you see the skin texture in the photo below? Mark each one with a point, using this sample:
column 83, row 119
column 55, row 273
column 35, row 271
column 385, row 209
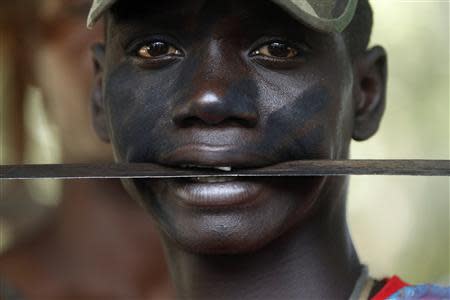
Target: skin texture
column 216, row 97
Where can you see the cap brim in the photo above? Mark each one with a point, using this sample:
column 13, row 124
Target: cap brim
column 301, row 11
column 98, row 8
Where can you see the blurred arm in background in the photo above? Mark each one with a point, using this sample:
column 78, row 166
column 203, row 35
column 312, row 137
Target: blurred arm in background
column 96, row 242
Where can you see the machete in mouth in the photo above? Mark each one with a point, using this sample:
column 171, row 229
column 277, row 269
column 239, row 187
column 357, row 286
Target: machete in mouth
column 286, row 169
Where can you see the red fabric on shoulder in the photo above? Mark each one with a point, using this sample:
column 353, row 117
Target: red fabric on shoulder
column 392, row 286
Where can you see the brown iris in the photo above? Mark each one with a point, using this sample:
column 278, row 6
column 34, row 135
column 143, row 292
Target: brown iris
column 158, row 49
column 277, row 50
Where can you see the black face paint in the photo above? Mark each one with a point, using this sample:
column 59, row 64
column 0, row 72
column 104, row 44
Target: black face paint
column 296, row 129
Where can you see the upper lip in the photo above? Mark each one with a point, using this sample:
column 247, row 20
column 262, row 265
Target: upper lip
column 207, row 156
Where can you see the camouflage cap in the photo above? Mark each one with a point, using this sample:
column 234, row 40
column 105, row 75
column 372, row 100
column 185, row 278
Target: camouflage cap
column 323, row 15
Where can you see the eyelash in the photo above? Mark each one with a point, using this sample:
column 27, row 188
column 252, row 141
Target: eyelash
column 132, row 51
column 303, row 48
column 269, row 61
column 135, row 43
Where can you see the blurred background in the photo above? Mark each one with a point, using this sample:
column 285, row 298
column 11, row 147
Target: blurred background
column 400, row 225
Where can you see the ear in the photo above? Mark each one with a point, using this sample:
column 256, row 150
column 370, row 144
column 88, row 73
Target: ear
column 99, row 116
column 370, row 92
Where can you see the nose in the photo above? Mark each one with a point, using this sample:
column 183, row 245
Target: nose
column 212, row 109
column 218, row 96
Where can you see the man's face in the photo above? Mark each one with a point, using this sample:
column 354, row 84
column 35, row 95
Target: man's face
column 225, row 84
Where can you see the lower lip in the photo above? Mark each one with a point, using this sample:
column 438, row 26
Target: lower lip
column 215, row 194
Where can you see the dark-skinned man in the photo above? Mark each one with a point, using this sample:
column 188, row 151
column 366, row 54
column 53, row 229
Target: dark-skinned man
column 236, row 85
column 233, row 85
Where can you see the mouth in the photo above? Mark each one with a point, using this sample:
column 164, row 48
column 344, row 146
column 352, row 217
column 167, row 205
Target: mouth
column 214, row 192
column 222, row 158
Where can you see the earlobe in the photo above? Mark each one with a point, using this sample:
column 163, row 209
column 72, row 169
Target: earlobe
column 370, row 92
column 99, row 116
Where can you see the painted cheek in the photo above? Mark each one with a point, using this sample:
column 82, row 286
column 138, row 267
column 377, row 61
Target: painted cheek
column 299, row 129
column 137, row 106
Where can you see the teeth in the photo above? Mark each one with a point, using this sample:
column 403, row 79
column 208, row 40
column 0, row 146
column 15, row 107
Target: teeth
column 225, row 169
column 213, row 179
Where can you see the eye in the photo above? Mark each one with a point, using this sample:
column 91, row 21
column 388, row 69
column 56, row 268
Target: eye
column 277, row 50
column 157, row 49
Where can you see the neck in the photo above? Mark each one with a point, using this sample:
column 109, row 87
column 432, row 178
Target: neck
column 316, row 260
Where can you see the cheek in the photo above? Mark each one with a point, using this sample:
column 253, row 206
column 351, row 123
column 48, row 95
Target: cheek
column 298, row 121
column 137, row 104
column 307, row 115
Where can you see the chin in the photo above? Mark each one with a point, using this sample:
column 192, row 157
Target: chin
column 223, row 233
column 231, row 225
